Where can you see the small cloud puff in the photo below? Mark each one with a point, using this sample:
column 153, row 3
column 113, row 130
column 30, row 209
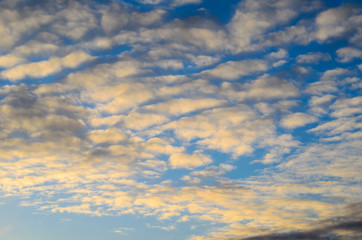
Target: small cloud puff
column 297, row 120
column 188, row 161
column 233, row 70
column 44, row 68
column 313, row 57
column 347, row 54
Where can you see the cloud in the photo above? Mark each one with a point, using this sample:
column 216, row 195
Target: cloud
column 202, row 60
column 173, row 2
column 338, row 22
column 159, row 146
column 183, row 2
column 44, row 68
column 182, row 106
column 126, row 97
column 254, row 19
column 230, row 130
column 346, row 226
column 264, row 87
column 187, row 161
column 165, row 228
column 338, row 126
column 319, row 104
column 114, row 18
column 334, row 73
column 10, row 60
column 280, row 54
column 347, row 107
column 148, row 18
column 112, row 135
column 34, row 48
column 233, row 70
column 214, row 171
column 123, row 230
column 279, row 63
column 277, row 88
column 315, row 57
column 348, row 54
column 156, row 165
column 74, row 22
column 322, row 87
column 14, row 25
column 297, row 120
column 172, row 121
column 140, row 121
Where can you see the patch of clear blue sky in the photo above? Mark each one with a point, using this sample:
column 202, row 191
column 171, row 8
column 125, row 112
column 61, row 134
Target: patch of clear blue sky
column 27, row 223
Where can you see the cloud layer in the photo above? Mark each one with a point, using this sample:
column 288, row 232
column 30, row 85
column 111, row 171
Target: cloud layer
column 251, row 127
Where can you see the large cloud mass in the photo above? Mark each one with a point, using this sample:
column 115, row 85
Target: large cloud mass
column 244, row 128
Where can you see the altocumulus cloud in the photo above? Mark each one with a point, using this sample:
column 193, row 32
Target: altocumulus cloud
column 200, row 121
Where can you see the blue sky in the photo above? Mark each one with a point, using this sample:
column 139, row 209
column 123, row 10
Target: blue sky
column 180, row 119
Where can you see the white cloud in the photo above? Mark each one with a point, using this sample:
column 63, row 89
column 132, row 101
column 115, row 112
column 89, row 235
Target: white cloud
column 34, row 48
column 114, row 19
column 319, row 104
column 334, row 73
column 150, row 1
column 317, row 101
column 165, row 228
column 159, row 146
column 140, row 121
column 321, row 87
column 279, row 63
column 123, row 230
column 297, row 120
column 280, row 54
column 148, row 18
column 348, row 54
column 126, row 96
column 313, row 57
column 74, row 22
column 173, row 2
column 106, row 121
column 156, row 165
column 253, row 19
column 15, row 25
column 264, row 87
column 183, row 2
column 169, row 64
column 118, row 137
column 44, row 68
column 233, row 130
column 233, row 70
column 7, row 61
column 202, row 60
column 188, row 161
column 347, row 107
column 214, row 171
column 336, row 22
column 182, row 105
column 338, row 126
column 111, row 135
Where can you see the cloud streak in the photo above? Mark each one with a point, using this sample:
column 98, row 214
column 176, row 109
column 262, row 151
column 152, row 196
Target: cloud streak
column 45, row 68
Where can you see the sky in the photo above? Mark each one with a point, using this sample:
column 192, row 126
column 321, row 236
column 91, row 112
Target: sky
column 180, row 120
